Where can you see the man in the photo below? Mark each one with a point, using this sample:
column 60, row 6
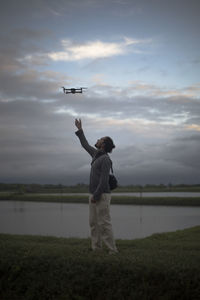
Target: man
column 99, row 199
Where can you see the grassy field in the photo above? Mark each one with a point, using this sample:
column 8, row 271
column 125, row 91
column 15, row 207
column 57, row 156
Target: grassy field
column 163, row 266
column 83, row 188
column 177, row 201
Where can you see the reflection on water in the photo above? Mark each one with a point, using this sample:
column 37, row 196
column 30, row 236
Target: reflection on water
column 19, row 206
column 71, row 220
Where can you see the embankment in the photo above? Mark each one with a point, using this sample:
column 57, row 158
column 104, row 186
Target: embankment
column 163, row 266
column 177, row 201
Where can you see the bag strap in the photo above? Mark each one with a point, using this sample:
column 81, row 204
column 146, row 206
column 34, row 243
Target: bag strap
column 111, row 166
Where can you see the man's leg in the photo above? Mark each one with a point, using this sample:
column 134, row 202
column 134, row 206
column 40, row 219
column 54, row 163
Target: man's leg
column 95, row 233
column 104, row 221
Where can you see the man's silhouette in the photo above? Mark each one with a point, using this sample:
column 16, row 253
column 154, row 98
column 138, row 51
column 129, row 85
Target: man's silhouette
column 100, row 196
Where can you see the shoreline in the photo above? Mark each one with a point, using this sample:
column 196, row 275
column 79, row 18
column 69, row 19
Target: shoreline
column 128, row 200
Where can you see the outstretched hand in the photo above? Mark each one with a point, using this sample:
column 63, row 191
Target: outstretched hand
column 78, row 124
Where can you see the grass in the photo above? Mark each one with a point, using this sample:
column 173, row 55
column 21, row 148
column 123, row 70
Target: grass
column 163, row 266
column 83, row 188
column 177, row 201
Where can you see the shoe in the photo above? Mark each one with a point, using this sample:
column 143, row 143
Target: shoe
column 97, row 249
column 113, row 252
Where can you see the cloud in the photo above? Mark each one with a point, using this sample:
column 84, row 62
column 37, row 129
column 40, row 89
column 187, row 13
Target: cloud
column 31, row 84
column 144, row 88
column 37, row 122
column 195, row 127
column 175, row 161
column 39, row 145
column 38, row 142
column 92, row 49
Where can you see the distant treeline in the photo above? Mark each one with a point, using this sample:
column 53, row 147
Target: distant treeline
column 83, row 188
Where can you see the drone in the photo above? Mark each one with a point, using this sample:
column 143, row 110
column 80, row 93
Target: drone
column 73, row 90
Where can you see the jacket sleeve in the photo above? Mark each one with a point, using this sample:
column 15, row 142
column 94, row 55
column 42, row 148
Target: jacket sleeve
column 104, row 178
column 91, row 150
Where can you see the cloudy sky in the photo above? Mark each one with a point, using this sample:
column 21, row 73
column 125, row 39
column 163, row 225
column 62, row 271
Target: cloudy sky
column 140, row 60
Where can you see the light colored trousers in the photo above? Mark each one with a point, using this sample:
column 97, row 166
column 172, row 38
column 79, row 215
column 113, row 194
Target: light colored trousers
column 100, row 223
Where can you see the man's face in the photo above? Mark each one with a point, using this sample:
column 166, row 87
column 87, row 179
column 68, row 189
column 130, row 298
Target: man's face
column 99, row 143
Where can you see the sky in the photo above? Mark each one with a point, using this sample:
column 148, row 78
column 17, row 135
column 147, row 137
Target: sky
column 140, row 61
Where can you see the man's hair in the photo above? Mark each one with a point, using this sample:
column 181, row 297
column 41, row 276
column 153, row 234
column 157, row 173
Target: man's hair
column 109, row 145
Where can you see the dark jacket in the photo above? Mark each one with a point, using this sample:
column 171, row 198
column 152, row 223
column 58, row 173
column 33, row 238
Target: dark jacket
column 100, row 168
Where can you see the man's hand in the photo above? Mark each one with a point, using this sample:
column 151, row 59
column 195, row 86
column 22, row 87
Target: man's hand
column 92, row 200
column 78, row 124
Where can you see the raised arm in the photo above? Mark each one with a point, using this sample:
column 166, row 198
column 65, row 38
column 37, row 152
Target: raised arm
column 91, row 150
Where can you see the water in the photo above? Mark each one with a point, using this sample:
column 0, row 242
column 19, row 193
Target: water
column 137, row 194
column 71, row 220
